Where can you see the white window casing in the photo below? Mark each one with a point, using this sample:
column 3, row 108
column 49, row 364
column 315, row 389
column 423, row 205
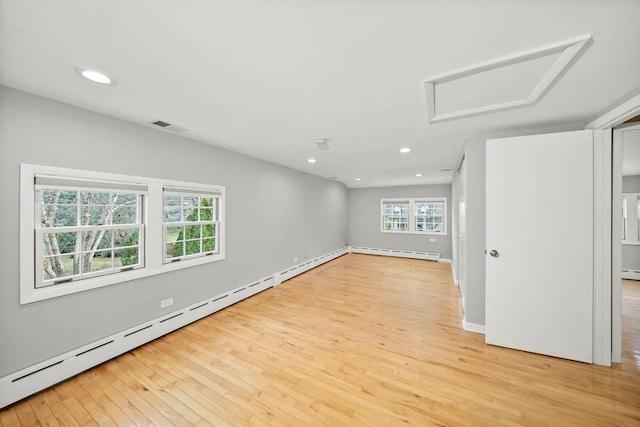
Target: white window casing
column 424, row 215
column 136, row 229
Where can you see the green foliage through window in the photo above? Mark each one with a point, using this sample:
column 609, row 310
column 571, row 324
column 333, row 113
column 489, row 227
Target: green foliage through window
column 194, row 231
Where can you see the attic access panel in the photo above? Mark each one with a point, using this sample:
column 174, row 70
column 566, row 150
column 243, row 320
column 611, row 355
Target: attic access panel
column 541, row 66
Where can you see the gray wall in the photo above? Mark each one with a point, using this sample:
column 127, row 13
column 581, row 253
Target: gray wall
column 631, row 184
column 364, row 219
column 273, row 215
column 474, row 304
column 631, row 253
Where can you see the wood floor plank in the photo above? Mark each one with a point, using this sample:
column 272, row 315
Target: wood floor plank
column 361, row 340
column 25, row 414
column 42, row 411
column 9, row 417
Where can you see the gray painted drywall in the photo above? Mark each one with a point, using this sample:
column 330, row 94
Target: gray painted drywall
column 474, row 304
column 631, row 184
column 364, row 219
column 273, row 214
column 631, row 253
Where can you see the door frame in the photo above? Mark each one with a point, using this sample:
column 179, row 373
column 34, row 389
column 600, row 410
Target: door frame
column 616, row 248
column 607, row 304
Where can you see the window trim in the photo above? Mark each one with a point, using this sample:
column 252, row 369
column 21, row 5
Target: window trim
column 152, row 222
column 412, row 201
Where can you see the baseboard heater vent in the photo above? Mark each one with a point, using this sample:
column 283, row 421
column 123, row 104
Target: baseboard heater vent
column 36, row 371
column 95, row 348
column 200, row 306
column 139, row 330
column 32, row 379
column 431, row 256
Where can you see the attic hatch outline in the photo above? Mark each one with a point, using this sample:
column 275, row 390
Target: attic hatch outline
column 568, row 50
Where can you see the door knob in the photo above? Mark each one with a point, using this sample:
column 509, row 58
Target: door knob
column 494, row 253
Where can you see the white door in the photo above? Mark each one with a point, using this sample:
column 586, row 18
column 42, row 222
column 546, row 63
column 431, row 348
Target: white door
column 539, row 265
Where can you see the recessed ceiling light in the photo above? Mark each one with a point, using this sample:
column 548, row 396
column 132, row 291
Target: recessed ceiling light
column 418, row 174
column 96, row 76
column 311, row 161
column 358, row 179
column 405, row 150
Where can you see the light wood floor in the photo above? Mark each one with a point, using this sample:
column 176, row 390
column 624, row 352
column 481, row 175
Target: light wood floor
column 362, row 340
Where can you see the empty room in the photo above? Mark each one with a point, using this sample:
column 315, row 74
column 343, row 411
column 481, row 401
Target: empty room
column 332, row 213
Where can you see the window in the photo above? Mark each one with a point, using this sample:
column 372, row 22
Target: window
column 81, row 230
column 395, row 215
column 190, row 224
column 429, row 216
column 85, row 229
column 418, row 216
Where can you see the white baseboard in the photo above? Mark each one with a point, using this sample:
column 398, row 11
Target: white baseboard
column 431, row 256
column 32, row 379
column 630, row 274
column 472, row 327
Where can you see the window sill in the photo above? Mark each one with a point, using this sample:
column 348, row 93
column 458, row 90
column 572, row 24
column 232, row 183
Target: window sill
column 423, row 233
column 54, row 291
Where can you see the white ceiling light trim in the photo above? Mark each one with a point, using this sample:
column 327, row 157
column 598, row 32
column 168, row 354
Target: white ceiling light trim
column 95, row 76
column 568, row 50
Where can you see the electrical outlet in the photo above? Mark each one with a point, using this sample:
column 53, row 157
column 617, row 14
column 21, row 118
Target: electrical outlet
column 295, row 259
column 433, row 239
column 166, row 303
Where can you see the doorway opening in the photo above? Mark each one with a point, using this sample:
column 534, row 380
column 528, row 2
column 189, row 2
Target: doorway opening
column 626, row 241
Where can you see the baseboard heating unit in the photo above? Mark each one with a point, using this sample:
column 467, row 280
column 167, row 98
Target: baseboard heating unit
column 431, row 256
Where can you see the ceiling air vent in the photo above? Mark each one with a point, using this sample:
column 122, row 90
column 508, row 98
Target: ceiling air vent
column 168, row 126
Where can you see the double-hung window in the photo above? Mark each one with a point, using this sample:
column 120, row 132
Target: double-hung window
column 191, row 223
column 414, row 215
column 86, row 229
column 429, row 216
column 82, row 230
column 395, row 216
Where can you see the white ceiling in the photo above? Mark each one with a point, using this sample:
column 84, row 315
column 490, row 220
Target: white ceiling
column 266, row 78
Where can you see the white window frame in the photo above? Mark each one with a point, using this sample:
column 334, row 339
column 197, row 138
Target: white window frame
column 84, row 186
column 187, row 192
column 412, row 217
column 151, row 242
column 397, row 216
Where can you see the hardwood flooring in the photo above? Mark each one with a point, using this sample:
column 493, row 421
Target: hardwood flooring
column 362, row 340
